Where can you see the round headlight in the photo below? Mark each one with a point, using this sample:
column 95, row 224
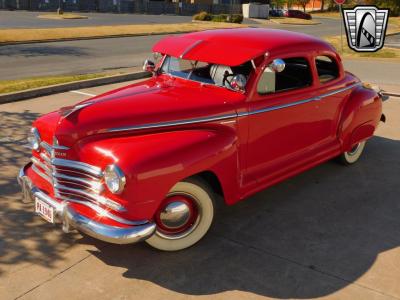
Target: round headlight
column 34, row 139
column 114, row 179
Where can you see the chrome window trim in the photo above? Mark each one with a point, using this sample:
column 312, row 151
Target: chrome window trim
column 92, row 170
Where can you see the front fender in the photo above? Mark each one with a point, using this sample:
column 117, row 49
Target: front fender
column 360, row 117
column 153, row 163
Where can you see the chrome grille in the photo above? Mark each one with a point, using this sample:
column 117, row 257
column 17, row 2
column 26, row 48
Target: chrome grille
column 71, row 180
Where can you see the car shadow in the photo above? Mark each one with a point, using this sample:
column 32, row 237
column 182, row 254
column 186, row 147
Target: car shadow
column 24, row 238
column 307, row 237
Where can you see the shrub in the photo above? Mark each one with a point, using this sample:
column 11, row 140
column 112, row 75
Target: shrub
column 202, row 16
column 218, row 18
column 237, row 18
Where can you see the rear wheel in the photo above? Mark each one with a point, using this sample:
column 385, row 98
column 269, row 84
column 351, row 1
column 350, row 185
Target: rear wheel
column 184, row 216
column 352, row 156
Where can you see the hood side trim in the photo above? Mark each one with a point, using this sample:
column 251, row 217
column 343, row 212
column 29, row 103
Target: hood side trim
column 172, row 123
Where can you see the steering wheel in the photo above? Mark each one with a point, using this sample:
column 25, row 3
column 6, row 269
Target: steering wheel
column 226, row 80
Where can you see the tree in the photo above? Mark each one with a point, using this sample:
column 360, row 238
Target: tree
column 302, row 3
column 278, row 3
column 393, row 5
column 322, row 5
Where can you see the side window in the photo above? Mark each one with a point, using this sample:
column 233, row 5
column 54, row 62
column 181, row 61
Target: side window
column 296, row 75
column 327, row 68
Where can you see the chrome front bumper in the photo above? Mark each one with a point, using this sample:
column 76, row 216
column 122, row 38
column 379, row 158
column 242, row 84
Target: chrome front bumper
column 69, row 218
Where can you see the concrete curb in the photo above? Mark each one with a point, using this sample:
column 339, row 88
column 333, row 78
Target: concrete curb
column 64, row 87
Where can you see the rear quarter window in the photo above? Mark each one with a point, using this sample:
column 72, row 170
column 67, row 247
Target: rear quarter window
column 327, row 68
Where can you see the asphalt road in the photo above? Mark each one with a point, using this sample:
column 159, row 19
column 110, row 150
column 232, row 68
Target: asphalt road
column 74, row 57
column 331, row 232
column 85, row 56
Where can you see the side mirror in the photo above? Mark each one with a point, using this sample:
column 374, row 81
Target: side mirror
column 149, row 66
column 238, row 82
column 277, row 65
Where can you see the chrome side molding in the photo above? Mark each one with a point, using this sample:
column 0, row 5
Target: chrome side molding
column 299, row 102
column 228, row 116
column 173, row 123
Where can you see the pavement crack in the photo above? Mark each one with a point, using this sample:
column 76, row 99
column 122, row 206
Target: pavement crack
column 54, row 276
column 308, row 267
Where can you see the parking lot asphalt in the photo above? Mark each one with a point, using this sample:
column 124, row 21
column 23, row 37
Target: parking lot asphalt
column 331, row 232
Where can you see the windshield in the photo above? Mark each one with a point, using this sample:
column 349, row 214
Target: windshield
column 214, row 74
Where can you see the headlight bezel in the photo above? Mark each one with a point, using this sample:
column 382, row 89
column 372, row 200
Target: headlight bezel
column 114, row 171
column 34, row 139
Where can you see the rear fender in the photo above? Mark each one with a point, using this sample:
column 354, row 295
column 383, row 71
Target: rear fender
column 360, row 117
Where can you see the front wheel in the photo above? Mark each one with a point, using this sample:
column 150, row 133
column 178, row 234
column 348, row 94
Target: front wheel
column 184, row 216
column 352, row 156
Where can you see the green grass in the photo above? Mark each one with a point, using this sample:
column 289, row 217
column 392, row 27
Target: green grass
column 9, row 86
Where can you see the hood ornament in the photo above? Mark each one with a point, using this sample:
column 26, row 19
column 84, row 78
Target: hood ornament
column 69, row 110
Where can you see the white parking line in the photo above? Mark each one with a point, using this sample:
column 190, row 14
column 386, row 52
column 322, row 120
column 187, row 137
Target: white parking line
column 83, row 93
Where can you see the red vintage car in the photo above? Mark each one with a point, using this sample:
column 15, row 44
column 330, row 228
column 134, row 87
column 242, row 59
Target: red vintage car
column 226, row 114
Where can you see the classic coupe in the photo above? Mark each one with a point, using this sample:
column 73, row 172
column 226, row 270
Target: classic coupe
column 225, row 114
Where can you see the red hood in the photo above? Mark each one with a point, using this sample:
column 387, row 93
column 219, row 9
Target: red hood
column 156, row 100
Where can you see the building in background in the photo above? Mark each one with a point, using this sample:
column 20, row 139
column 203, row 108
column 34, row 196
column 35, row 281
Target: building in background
column 311, row 5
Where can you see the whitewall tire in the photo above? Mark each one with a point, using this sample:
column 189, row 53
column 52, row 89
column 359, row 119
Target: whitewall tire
column 352, row 156
column 184, row 216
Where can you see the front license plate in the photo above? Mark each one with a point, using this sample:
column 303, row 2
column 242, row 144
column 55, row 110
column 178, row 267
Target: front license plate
column 44, row 210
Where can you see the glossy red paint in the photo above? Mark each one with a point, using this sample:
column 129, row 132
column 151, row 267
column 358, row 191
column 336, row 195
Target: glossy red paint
column 233, row 47
column 151, row 129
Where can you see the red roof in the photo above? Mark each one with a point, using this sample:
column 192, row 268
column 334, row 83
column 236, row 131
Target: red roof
column 233, row 47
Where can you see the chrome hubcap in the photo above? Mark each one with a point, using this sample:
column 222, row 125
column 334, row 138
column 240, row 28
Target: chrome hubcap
column 175, row 215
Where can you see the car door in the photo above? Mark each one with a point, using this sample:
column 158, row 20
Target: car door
column 333, row 90
column 285, row 126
